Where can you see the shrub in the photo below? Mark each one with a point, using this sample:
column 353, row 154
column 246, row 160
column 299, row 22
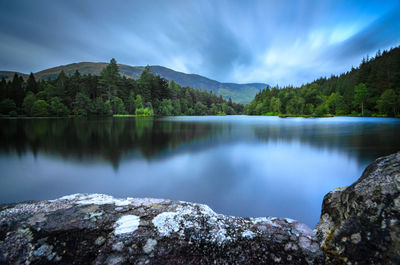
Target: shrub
column 340, row 113
column 7, row 105
column 144, row 112
column 40, row 108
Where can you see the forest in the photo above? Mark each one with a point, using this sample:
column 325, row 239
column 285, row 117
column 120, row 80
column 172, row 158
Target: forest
column 372, row 89
column 108, row 94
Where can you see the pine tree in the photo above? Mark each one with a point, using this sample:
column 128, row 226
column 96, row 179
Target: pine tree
column 360, row 96
column 109, row 80
column 31, row 84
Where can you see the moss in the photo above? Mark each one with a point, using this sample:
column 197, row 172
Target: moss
column 332, row 255
column 328, row 239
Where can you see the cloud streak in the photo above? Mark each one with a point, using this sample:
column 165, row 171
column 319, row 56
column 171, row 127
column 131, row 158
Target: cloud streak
column 276, row 42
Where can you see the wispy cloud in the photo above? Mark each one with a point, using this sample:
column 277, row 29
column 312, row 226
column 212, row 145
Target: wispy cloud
column 277, row 42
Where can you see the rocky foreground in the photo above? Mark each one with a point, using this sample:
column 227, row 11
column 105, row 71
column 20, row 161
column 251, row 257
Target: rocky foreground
column 359, row 225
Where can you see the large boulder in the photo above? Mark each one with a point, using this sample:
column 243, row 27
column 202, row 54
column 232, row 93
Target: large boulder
column 360, row 224
column 99, row 229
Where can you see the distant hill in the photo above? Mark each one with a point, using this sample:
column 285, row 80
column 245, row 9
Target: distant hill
column 240, row 93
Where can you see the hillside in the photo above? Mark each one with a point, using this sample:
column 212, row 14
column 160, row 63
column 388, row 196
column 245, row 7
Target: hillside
column 373, row 88
column 106, row 94
column 240, row 93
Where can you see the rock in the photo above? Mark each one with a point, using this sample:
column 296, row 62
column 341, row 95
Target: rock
column 99, row 229
column 360, row 224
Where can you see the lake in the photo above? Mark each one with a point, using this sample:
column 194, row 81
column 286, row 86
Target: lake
column 238, row 165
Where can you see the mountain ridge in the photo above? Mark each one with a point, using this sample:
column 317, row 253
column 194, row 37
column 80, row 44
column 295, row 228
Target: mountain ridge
column 241, row 93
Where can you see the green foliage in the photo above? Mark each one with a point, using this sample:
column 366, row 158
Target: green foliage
column 109, row 80
column 17, row 92
column 31, row 84
column 166, row 108
column 57, row 108
column 144, row 112
column 200, row 109
column 110, row 94
column 107, row 108
column 270, row 114
column 340, row 113
column 275, row 104
column 373, row 86
column 308, row 109
column 388, row 103
column 321, row 110
column 360, row 96
column 190, row 112
column 7, row 105
column 119, row 106
column 40, row 108
column 97, row 107
column 81, row 104
column 131, row 102
column 139, row 102
column 29, row 99
column 176, row 107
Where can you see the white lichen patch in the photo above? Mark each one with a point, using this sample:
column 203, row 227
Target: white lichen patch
column 325, row 226
column 304, row 229
column 149, row 246
column 192, row 216
column 34, row 208
column 266, row 220
column 248, row 234
column 183, row 217
column 220, row 235
column 126, row 224
column 145, row 201
column 206, row 210
column 95, row 198
column 304, row 242
column 167, row 222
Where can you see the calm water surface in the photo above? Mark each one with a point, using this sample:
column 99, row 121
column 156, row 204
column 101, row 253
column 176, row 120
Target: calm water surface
column 238, row 165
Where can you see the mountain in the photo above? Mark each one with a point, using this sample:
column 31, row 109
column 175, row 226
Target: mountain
column 240, row 93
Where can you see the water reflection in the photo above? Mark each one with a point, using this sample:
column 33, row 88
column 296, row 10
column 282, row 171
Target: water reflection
column 107, row 139
column 246, row 166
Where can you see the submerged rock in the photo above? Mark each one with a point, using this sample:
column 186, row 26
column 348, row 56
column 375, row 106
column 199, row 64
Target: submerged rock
column 360, row 224
column 99, row 229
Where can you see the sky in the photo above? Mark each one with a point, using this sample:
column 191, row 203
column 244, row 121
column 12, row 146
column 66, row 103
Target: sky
column 283, row 42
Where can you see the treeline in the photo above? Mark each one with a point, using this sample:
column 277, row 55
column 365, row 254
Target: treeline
column 108, row 94
column 372, row 89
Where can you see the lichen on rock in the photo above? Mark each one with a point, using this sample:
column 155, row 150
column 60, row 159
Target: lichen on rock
column 359, row 223
column 99, row 229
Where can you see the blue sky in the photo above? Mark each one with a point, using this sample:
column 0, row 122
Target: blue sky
column 276, row 42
